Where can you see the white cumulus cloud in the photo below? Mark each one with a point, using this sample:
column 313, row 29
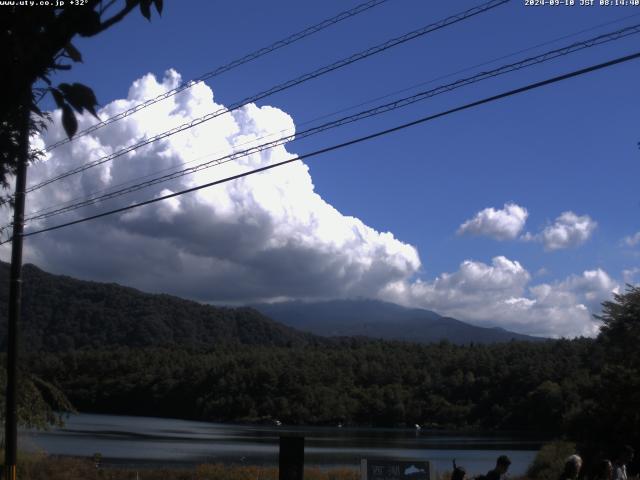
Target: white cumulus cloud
column 592, row 287
column 568, row 230
column 501, row 294
column 504, row 224
column 261, row 237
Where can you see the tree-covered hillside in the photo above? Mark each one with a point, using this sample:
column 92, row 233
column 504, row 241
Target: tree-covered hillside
column 62, row 313
column 524, row 386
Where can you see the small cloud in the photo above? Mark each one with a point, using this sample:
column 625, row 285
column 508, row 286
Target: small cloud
column 505, row 224
column 631, row 240
column 542, row 272
column 568, row 230
column 528, row 237
column 631, row 275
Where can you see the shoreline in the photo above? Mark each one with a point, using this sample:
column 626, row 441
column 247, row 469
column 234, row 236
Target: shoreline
column 40, row 466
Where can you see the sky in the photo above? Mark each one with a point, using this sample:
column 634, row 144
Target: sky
column 521, row 213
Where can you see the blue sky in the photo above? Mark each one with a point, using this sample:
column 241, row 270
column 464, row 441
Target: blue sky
column 569, row 147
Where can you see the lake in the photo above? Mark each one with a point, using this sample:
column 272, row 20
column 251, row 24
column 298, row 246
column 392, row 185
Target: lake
column 147, row 441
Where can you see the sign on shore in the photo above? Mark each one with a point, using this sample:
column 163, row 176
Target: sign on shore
column 373, row 469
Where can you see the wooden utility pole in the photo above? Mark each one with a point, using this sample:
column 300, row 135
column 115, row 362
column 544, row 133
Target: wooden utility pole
column 15, row 294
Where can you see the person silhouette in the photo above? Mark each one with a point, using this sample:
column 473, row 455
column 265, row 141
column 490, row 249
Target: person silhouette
column 572, row 466
column 502, row 465
column 625, row 457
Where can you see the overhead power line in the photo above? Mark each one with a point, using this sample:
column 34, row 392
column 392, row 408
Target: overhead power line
column 482, row 64
column 527, row 62
column 363, row 7
column 283, row 86
column 94, row 195
column 381, row 133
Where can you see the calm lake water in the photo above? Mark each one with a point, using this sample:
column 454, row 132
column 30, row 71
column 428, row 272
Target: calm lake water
column 146, row 441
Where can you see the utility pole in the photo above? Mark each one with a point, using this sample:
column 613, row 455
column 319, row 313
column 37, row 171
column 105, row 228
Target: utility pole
column 15, row 293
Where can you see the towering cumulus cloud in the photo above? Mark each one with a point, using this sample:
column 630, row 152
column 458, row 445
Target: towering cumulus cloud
column 261, row 237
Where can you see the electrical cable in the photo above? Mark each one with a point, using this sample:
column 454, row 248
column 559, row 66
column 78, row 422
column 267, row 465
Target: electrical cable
column 225, row 68
column 352, row 107
column 527, row 62
column 283, row 86
column 467, row 106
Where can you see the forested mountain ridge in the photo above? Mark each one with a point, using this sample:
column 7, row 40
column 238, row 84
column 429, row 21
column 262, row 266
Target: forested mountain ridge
column 61, row 313
column 377, row 319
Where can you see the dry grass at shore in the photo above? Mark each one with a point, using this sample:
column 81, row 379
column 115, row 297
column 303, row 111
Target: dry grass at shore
column 40, row 466
column 44, row 467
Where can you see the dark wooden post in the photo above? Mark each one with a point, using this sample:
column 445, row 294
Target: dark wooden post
column 291, row 461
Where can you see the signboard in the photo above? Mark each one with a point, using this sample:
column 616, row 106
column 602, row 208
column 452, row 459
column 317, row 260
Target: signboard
column 389, row 469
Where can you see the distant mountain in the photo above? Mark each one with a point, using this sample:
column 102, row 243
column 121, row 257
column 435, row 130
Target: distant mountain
column 62, row 313
column 376, row 319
